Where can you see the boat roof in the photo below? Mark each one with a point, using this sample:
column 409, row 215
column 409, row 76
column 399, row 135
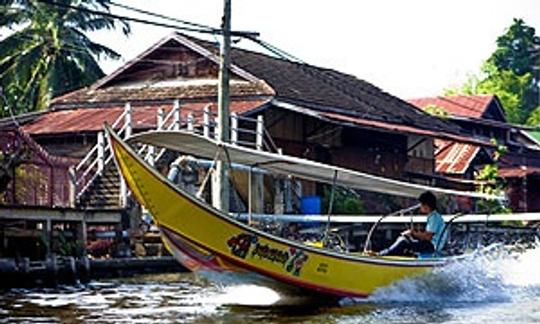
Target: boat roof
column 198, row 145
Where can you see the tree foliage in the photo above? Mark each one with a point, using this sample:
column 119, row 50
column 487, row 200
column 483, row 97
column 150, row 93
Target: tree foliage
column 437, row 111
column 511, row 73
column 48, row 51
column 490, row 183
column 518, row 50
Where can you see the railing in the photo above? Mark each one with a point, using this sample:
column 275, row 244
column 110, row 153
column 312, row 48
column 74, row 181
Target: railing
column 93, row 164
column 244, row 131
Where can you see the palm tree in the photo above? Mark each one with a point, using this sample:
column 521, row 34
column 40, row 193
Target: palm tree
column 48, row 52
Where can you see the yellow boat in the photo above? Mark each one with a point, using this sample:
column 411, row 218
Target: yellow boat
column 205, row 239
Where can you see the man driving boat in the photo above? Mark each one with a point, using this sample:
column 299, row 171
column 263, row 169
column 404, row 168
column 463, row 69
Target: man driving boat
column 430, row 240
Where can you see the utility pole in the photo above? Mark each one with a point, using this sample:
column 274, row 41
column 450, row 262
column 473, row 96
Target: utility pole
column 220, row 178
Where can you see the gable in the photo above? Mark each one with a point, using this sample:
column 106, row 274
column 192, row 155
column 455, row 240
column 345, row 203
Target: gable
column 494, row 111
column 469, row 106
column 173, row 60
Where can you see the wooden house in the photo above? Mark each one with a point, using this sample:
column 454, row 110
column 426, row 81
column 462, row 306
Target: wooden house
column 484, row 117
column 308, row 111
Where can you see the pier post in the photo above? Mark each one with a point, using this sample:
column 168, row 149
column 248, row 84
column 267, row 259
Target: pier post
column 47, row 234
column 176, row 115
column 206, row 121
column 82, row 236
column 100, row 152
column 234, row 128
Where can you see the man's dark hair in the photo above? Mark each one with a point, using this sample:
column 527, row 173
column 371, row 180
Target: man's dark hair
column 429, row 199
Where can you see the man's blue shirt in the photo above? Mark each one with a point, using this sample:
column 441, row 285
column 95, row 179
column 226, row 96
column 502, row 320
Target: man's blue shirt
column 435, row 225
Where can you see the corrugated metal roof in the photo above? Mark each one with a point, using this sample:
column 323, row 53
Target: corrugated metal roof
column 466, row 105
column 454, row 158
column 144, row 117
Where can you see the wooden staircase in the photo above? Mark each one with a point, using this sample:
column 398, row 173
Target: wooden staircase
column 104, row 192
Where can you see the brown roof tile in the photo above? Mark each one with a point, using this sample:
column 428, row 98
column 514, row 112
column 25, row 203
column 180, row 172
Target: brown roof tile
column 303, row 84
column 154, row 93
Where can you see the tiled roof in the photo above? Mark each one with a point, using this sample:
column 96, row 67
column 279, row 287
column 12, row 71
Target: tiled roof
column 332, row 91
column 118, row 94
column 453, row 157
column 310, row 86
column 144, row 117
column 465, row 105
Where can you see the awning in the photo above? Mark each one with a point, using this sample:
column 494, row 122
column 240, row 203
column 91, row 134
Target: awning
column 197, row 145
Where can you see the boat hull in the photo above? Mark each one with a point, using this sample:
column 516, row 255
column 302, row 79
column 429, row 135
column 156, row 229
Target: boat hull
column 225, row 244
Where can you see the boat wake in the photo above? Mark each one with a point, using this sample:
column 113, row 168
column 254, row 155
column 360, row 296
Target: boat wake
column 494, row 274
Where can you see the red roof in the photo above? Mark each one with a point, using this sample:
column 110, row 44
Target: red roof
column 467, row 106
column 144, row 117
column 454, row 158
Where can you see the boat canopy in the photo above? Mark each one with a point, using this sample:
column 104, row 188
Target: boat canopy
column 198, row 145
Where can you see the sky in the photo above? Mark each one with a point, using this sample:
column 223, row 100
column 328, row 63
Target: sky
column 409, row 48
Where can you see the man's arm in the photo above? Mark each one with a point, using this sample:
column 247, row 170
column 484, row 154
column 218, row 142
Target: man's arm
column 422, row 235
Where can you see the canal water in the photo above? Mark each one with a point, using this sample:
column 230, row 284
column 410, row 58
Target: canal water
column 502, row 285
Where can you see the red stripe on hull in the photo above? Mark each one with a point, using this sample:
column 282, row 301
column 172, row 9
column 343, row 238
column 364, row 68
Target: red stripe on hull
column 275, row 276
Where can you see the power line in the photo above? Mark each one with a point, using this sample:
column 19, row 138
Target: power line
column 145, row 21
column 198, row 28
column 275, row 50
column 185, row 22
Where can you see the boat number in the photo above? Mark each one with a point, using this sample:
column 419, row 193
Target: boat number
column 247, row 245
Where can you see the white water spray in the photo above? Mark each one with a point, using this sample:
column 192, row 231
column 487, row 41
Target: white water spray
column 497, row 274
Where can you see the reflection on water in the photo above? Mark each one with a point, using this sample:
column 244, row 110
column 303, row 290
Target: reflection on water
column 497, row 287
